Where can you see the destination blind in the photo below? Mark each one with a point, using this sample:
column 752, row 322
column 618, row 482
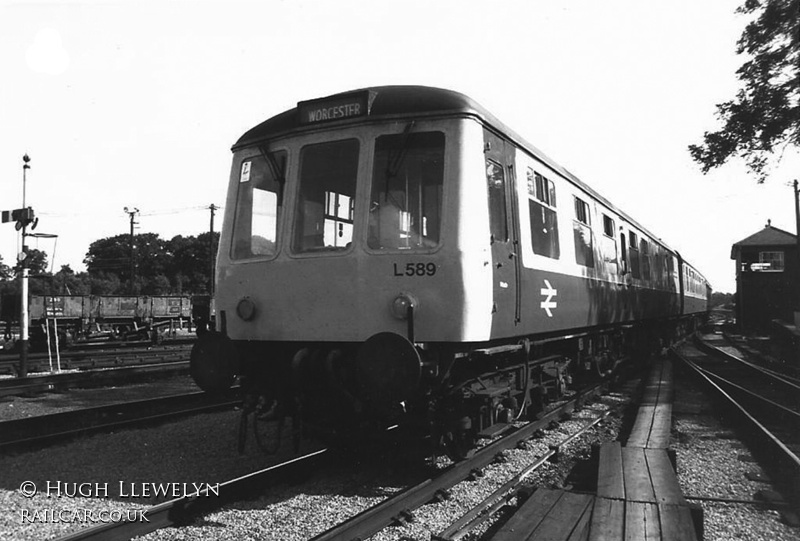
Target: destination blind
column 335, row 108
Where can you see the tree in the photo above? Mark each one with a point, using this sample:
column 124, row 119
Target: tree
column 724, row 300
column 67, row 282
column 5, row 271
column 110, row 255
column 36, row 261
column 191, row 260
column 177, row 266
column 765, row 114
column 110, row 258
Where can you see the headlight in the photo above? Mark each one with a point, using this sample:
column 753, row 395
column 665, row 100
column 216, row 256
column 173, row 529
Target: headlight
column 246, row 309
column 401, row 304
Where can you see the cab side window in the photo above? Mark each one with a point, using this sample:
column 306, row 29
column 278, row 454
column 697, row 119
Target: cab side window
column 496, row 181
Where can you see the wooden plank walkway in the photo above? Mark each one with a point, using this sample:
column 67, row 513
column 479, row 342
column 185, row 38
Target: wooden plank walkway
column 637, row 474
column 559, row 515
column 638, row 494
column 654, row 420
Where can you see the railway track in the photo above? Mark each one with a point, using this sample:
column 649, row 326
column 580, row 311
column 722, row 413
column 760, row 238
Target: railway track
column 180, row 510
column 772, row 398
column 103, row 368
column 400, row 508
column 45, row 429
column 382, row 515
column 763, row 404
column 106, row 357
column 743, row 349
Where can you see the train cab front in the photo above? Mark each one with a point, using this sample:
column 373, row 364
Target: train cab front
column 341, row 271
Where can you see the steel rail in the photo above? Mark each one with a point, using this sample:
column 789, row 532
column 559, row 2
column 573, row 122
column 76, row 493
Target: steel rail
column 396, row 508
column 126, row 348
column 108, row 357
column 778, row 384
column 500, row 497
column 777, row 453
column 747, row 393
column 789, row 381
column 84, row 378
column 43, row 429
column 180, row 510
column 751, row 352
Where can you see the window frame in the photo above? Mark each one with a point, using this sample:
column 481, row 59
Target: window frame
column 370, row 141
column 541, row 191
column 582, row 222
column 761, row 259
column 251, row 155
column 498, row 216
column 609, row 220
column 323, row 251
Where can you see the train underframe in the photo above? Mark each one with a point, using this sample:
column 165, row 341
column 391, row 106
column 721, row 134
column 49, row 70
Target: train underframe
column 455, row 393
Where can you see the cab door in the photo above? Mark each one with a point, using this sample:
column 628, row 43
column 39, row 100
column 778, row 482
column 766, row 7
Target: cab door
column 501, row 190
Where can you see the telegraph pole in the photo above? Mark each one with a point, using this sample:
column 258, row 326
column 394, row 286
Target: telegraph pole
column 797, row 215
column 797, row 225
column 212, row 208
column 132, row 213
column 23, row 261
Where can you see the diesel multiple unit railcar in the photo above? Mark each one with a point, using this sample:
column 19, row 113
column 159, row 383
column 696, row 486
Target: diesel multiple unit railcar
column 398, row 255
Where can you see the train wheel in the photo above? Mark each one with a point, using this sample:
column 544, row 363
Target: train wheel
column 212, row 362
column 458, row 442
column 458, row 445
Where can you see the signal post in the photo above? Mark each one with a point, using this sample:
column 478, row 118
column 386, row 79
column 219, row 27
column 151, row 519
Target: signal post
column 23, row 217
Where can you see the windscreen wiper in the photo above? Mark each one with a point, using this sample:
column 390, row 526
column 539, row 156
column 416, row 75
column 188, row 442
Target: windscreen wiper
column 278, row 170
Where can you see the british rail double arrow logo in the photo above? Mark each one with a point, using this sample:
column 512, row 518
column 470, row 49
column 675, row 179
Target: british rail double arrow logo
column 549, row 303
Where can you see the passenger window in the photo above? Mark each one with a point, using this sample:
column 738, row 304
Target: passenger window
column 634, row 255
column 406, row 200
column 324, row 215
column 544, row 220
column 495, row 178
column 608, row 245
column 608, row 226
column 582, row 232
column 255, row 223
column 644, row 249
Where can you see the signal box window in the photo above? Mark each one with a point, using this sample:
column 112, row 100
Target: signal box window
column 255, row 224
column 406, row 201
column 771, row 261
column 584, row 248
column 324, row 218
column 544, row 220
column 495, row 178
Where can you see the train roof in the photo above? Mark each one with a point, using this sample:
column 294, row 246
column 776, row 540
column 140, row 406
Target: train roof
column 403, row 101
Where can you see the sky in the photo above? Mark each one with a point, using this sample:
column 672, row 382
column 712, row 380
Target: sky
column 137, row 103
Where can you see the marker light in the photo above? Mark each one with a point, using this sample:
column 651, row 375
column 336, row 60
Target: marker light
column 400, row 305
column 246, row 309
